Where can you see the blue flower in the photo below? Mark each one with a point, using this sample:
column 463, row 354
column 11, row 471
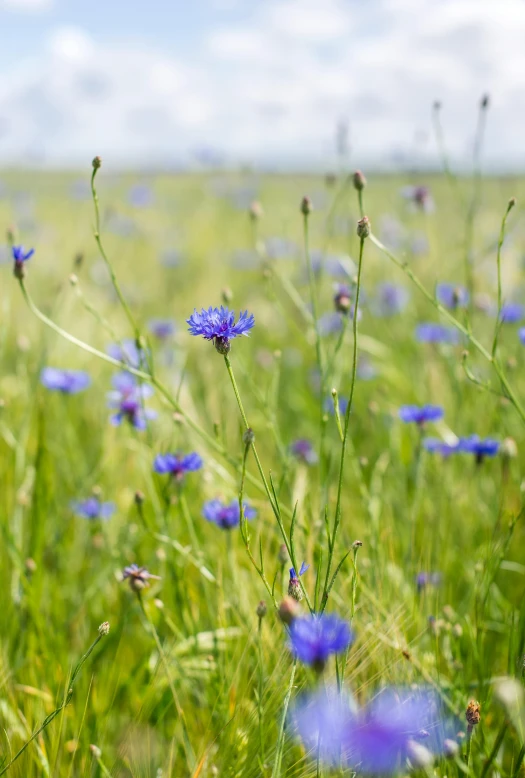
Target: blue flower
column 129, row 353
column 333, row 264
column 521, row 335
column 314, row 638
column 128, row 398
column 141, row 195
column 420, row 414
column 389, row 299
column 303, row 450
column 92, row 508
column 480, row 447
column 218, row 324
column 226, row 516
column 20, row 256
column 437, row 446
column 139, row 577
column 429, row 332
column 161, row 328
column 177, row 465
column 452, row 295
column 424, row 579
column 66, row 381
column 511, row 313
column 294, row 585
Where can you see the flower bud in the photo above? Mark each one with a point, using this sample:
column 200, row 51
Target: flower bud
column 139, row 498
column 104, row 628
column 509, row 449
column 261, row 609
column 357, row 544
column 97, row 163
column 306, row 206
column 359, row 181
column 95, row 750
column 248, row 437
column 288, row 610
column 363, row 227
column 282, row 556
column 226, row 295
column 473, row 714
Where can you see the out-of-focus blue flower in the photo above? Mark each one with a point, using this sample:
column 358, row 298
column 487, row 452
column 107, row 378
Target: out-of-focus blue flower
column 129, row 353
column 226, row 516
column 314, row 638
column 452, row 295
column 303, row 450
column 430, row 332
column 92, row 508
column 420, row 414
column 139, row 577
column 141, row 195
column 294, row 585
column 333, row 264
column 161, row 328
column 437, row 446
column 521, row 335
column 389, row 299
column 420, row 197
column 511, row 313
column 424, row 579
column 280, row 248
column 66, row 381
column 128, row 399
column 330, row 323
column 419, row 244
column 218, row 324
column 392, row 232
column 480, row 447
column 377, row 739
column 177, row 465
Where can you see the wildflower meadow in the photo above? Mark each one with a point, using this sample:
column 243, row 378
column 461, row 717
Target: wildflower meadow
column 261, row 450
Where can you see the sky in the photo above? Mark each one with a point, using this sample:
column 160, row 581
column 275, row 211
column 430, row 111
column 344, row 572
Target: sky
column 164, row 83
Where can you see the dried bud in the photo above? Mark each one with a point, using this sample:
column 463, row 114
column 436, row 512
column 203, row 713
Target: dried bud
column 288, row 610
column 342, row 300
column 226, row 295
column 357, row 544
column 95, row 750
column 359, row 181
column 261, row 609
column 363, row 227
column 104, row 628
column 97, row 163
column 282, row 556
column 473, row 714
column 139, row 498
column 255, row 211
column 306, row 206
column 248, row 437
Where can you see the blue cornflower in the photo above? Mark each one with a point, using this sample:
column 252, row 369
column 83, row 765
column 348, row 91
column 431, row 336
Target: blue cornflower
column 20, row 256
column 161, row 328
column 437, row 446
column 511, row 313
column 429, row 332
column 294, row 585
column 313, row 638
column 139, row 577
column 226, row 516
column 66, row 381
column 452, row 295
column 424, row 579
column 480, row 447
column 303, row 450
column 342, row 298
column 177, row 465
column 92, row 508
column 128, row 398
column 141, row 195
column 420, row 414
column 218, row 324
column 521, row 335
column 389, row 299
column 128, row 352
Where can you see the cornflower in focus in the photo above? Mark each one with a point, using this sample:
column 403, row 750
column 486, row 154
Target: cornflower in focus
column 218, row 325
column 65, row 381
column 314, row 638
column 226, row 516
column 177, row 465
column 128, row 399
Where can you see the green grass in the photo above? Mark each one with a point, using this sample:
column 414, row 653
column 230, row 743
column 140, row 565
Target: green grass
column 193, row 707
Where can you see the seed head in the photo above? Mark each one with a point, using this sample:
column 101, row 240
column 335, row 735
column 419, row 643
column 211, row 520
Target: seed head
column 473, row 714
column 359, row 181
column 261, row 609
column 363, row 227
column 357, row 544
column 104, row 628
column 97, row 163
column 306, row 206
column 248, row 437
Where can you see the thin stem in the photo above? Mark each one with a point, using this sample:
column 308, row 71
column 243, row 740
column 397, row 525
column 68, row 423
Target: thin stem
column 495, row 748
column 501, row 238
column 313, row 297
column 280, row 740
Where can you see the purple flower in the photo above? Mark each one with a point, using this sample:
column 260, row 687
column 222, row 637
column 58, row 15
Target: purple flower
column 92, row 508
column 218, row 324
column 314, row 638
column 128, row 398
column 323, row 721
column 161, row 328
column 294, row 585
column 390, row 299
column 20, row 256
column 177, row 465
column 65, row 381
column 129, row 353
column 333, row 264
column 226, row 516
column 480, row 447
column 452, row 295
column 429, row 332
column 424, row 579
column 138, row 577
column 420, row 197
column 303, row 450
column 521, row 335
column 141, row 196
column 342, row 298
column 420, row 414
column 330, row 323
column 437, row 446
column 511, row 313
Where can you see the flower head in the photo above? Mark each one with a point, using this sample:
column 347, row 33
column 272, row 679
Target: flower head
column 66, row 381
column 424, row 579
column 129, row 353
column 226, row 516
column 420, row 197
column 420, row 414
column 294, row 585
column 511, row 313
column 342, row 298
column 480, row 447
column 177, row 465
column 138, row 577
column 437, row 446
column 389, row 299
column 161, row 328
column 314, row 638
column 128, row 398
column 429, row 332
column 92, row 508
column 452, row 295
column 20, row 255
column 303, row 450
column 218, row 324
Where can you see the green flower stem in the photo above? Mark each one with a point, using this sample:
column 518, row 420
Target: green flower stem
column 280, row 740
column 313, row 298
column 501, row 238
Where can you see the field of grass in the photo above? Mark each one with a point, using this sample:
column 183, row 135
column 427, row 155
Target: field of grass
column 190, row 680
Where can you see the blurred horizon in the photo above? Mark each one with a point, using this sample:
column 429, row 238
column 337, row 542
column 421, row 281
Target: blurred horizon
column 277, row 86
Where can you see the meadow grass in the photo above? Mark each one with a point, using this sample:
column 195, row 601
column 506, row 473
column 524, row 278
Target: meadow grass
column 190, row 681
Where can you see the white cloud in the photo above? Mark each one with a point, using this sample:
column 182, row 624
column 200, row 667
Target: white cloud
column 26, row 6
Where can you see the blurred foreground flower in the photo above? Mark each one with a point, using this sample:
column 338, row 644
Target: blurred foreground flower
column 389, row 299
column 303, row 450
column 92, row 508
column 128, row 398
column 314, row 638
column 429, row 332
column 218, row 324
column 177, row 465
column 420, row 414
column 66, row 381
column 138, row 577
column 437, row 446
column 511, row 313
column 226, row 516
column 128, row 352
column 161, row 328
column 452, row 295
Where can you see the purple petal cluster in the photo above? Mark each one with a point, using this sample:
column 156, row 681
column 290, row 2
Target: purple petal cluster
column 226, row 516
column 425, row 579
column 420, row 414
column 430, row 332
column 219, row 325
column 65, row 381
column 21, row 255
column 511, row 313
column 437, row 446
column 389, row 299
column 92, row 508
column 128, row 399
column 452, row 295
column 177, row 465
column 314, row 638
column 480, row 447
column 303, row 450
column 161, row 328
column 129, row 353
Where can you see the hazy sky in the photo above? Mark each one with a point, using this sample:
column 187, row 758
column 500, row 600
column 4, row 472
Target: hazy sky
column 260, row 81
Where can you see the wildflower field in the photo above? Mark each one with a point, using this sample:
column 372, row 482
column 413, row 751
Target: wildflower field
column 261, row 443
